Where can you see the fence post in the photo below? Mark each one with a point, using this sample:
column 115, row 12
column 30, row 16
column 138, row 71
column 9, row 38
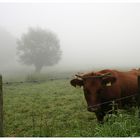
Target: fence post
column 1, row 108
column 139, row 83
column 139, row 94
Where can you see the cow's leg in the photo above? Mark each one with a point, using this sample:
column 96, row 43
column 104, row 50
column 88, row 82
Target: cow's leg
column 100, row 117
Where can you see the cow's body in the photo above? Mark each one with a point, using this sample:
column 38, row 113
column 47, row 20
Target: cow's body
column 100, row 88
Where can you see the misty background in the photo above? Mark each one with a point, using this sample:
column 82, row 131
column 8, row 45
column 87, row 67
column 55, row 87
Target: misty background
column 92, row 35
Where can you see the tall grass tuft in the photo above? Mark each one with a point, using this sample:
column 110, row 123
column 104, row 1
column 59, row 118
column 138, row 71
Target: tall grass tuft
column 119, row 125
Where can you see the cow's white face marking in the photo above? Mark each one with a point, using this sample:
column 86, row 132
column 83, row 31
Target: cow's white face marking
column 108, row 84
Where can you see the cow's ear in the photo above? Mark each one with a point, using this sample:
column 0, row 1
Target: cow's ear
column 76, row 82
column 108, row 81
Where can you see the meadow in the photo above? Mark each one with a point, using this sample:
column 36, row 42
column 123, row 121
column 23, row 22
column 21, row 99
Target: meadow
column 53, row 108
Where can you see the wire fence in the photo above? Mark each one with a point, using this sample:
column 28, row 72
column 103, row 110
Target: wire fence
column 33, row 125
column 34, row 81
column 117, row 99
column 37, row 120
column 34, row 116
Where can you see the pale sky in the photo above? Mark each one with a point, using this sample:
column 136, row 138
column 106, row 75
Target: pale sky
column 91, row 34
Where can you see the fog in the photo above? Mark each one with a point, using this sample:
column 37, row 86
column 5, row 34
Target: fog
column 92, row 35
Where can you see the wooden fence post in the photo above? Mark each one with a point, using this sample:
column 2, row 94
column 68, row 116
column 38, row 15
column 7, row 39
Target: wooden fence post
column 139, row 94
column 1, row 108
column 138, row 85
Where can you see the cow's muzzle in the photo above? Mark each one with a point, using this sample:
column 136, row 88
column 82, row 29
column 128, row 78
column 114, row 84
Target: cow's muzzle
column 92, row 109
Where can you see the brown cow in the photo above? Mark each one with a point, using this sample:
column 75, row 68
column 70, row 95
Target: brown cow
column 104, row 86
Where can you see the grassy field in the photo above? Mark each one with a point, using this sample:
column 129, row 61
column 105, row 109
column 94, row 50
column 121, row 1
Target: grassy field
column 55, row 108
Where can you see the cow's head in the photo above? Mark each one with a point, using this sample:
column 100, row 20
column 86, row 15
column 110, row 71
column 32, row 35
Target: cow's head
column 93, row 87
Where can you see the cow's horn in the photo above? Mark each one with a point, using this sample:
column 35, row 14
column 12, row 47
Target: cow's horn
column 79, row 76
column 106, row 74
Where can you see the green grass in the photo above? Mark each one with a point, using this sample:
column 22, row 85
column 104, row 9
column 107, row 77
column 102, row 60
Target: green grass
column 55, row 108
column 52, row 108
column 120, row 125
